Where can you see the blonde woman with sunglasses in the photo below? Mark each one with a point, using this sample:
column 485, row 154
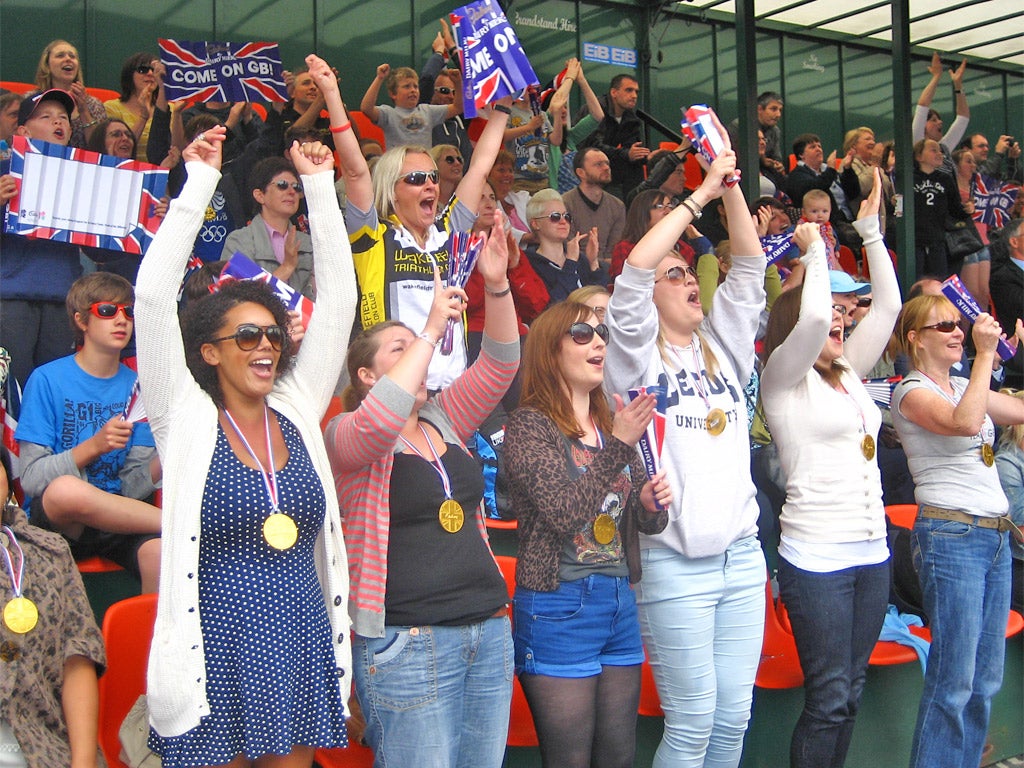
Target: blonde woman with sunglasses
column 399, row 224
column 961, row 537
column 564, row 263
column 701, row 598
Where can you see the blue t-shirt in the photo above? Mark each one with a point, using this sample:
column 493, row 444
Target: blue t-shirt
column 64, row 406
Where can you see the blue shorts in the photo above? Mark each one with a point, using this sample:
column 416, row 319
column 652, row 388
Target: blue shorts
column 978, row 256
column 577, row 629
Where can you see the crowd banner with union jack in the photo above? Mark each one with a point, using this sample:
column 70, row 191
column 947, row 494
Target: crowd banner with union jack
column 494, row 64
column 211, row 71
column 241, row 267
column 82, row 197
column 993, row 200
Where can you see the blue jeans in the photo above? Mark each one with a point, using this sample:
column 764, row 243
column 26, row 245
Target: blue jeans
column 703, row 622
column 836, row 619
column 965, row 578
column 436, row 697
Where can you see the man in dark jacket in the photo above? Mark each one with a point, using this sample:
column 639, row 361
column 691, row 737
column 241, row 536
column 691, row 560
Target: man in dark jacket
column 618, row 135
column 1007, row 287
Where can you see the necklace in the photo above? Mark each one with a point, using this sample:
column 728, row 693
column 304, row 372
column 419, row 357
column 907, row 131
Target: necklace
column 279, row 529
column 716, row 420
column 986, row 451
column 450, row 514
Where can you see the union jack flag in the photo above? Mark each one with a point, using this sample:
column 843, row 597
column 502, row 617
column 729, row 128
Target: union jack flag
column 993, row 200
column 212, row 71
column 77, row 196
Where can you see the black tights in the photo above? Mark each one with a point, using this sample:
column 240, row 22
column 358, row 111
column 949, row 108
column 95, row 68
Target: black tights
column 587, row 722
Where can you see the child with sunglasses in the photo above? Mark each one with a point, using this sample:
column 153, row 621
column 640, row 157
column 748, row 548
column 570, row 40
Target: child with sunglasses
column 84, row 468
column 581, row 496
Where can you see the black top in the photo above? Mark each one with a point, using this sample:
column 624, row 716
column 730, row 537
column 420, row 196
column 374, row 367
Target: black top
column 436, row 577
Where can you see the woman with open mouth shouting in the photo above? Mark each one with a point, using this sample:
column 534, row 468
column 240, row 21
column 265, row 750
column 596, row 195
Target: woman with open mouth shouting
column 833, row 557
column 701, row 598
column 399, row 225
column 581, row 496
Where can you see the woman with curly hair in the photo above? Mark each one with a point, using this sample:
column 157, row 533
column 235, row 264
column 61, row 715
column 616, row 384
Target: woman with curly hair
column 250, row 656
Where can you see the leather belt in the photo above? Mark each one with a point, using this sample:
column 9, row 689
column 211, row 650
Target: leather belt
column 503, row 611
column 1000, row 524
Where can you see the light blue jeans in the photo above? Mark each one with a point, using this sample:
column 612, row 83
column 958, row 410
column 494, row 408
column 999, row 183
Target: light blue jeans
column 965, row 579
column 436, row 697
column 703, row 621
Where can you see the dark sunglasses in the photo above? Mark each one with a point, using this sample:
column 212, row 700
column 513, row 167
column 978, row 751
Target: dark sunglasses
column 419, row 178
column 284, row 185
column 109, row 309
column 583, row 333
column 144, row 69
column 453, row 159
column 946, row 326
column 444, row 91
column 677, row 274
column 554, row 217
column 248, row 336
column 864, row 303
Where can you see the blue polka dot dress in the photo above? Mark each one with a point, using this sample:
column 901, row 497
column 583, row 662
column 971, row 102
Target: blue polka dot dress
column 272, row 680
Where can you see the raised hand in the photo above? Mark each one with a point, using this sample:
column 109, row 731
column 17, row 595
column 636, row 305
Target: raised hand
column 870, row 205
column 207, row 147
column 630, row 421
column 311, row 157
column 806, row 234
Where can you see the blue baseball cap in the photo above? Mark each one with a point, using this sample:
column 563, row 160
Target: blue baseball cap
column 841, row 282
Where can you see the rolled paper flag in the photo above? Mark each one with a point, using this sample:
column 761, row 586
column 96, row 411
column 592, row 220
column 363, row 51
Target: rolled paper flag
column 954, row 290
column 777, row 246
column 654, row 437
column 494, row 64
column 463, row 250
column 700, row 129
column 881, row 389
column 134, row 409
column 241, row 267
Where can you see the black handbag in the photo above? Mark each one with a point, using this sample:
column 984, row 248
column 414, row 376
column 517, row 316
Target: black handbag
column 962, row 239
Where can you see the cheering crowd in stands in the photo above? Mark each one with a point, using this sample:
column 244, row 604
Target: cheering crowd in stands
column 294, row 563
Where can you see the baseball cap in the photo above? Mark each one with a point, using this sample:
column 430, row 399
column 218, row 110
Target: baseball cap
column 841, row 282
column 28, row 106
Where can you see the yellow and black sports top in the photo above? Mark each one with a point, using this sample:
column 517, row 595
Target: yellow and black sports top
column 396, row 276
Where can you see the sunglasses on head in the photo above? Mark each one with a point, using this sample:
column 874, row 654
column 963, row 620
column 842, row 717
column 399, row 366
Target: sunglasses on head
column 248, row 336
column 946, row 326
column 554, row 217
column 284, row 185
column 419, row 178
column 109, row 309
column 677, row 274
column 144, row 69
column 453, row 159
column 445, row 91
column 583, row 333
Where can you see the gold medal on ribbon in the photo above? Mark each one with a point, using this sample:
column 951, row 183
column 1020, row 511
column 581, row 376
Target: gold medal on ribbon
column 21, row 615
column 451, row 516
column 988, row 455
column 867, row 447
column 716, row 421
column 280, row 531
column 604, row 529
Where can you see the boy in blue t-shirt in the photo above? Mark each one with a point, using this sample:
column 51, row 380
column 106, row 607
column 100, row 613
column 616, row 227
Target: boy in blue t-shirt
column 84, row 468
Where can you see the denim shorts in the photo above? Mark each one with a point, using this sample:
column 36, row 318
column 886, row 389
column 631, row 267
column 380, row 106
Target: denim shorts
column 577, row 629
column 978, row 257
